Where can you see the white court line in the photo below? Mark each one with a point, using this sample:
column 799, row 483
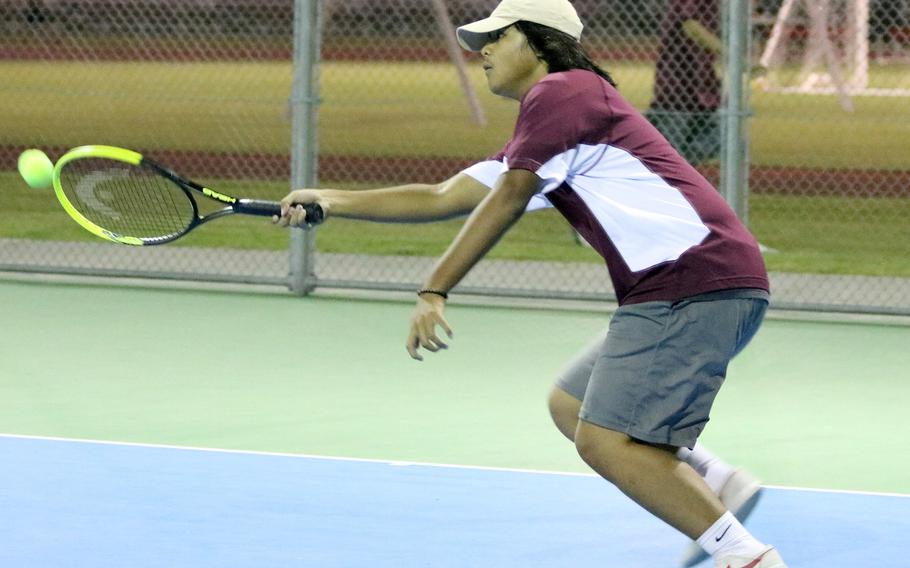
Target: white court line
column 290, row 455
column 395, row 462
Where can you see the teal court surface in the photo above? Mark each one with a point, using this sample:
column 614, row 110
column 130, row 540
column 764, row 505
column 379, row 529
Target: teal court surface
column 157, row 427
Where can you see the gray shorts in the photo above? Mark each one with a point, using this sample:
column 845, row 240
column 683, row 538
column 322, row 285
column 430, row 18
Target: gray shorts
column 657, row 372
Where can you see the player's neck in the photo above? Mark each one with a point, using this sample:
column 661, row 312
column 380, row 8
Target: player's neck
column 520, row 88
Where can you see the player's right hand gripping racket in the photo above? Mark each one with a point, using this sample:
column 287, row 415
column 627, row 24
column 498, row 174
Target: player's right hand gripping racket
column 121, row 196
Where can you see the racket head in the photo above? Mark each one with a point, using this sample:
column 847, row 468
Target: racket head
column 110, row 193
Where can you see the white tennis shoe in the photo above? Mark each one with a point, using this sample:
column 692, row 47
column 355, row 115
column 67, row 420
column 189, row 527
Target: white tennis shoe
column 767, row 559
column 739, row 495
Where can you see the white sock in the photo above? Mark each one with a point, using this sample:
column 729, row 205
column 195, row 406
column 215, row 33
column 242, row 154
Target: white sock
column 714, row 470
column 727, row 537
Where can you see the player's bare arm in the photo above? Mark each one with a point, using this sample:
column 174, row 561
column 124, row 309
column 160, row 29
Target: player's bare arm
column 483, row 229
column 415, row 203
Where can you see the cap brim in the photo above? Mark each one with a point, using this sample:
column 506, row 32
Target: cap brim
column 476, row 35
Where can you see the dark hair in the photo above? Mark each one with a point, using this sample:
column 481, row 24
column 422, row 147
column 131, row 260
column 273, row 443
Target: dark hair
column 559, row 50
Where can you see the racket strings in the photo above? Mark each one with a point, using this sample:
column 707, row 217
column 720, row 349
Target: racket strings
column 126, row 199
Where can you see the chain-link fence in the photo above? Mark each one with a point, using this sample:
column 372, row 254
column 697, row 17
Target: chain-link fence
column 830, row 179
column 205, row 86
column 827, row 186
column 202, row 86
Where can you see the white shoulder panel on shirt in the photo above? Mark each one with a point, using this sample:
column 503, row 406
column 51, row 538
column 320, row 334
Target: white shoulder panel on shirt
column 488, row 172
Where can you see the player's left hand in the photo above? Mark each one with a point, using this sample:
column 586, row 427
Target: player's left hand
column 427, row 316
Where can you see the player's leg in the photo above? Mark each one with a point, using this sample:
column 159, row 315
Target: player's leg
column 564, row 411
column 724, row 480
column 738, row 490
column 612, row 401
column 565, row 397
column 672, row 491
column 713, row 470
column 651, row 391
column 652, row 476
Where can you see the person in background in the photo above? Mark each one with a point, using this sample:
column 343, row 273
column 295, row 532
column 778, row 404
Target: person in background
column 687, row 90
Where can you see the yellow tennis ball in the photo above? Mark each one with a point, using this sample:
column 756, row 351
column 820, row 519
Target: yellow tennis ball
column 36, row 169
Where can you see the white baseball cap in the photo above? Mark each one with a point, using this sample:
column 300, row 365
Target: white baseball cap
column 557, row 14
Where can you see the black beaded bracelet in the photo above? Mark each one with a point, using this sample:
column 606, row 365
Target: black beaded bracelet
column 444, row 295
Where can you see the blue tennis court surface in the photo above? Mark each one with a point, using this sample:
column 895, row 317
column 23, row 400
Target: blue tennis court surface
column 90, row 504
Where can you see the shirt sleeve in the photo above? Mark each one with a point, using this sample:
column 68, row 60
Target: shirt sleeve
column 488, row 171
column 555, row 117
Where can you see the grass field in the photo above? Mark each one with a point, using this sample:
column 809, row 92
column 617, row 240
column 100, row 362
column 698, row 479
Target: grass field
column 418, row 110
column 389, row 109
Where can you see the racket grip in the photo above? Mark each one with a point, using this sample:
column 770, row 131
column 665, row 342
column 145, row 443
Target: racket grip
column 314, row 213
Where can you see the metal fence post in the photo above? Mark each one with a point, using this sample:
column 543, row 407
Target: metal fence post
column 304, row 105
column 734, row 157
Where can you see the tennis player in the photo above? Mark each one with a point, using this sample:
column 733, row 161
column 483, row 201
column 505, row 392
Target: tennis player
column 690, row 281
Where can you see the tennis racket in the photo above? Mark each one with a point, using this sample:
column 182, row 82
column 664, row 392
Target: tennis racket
column 124, row 197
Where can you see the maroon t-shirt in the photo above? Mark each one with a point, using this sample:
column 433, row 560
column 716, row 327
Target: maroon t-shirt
column 662, row 228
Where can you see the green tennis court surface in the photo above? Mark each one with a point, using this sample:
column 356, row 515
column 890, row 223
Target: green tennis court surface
column 817, row 405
